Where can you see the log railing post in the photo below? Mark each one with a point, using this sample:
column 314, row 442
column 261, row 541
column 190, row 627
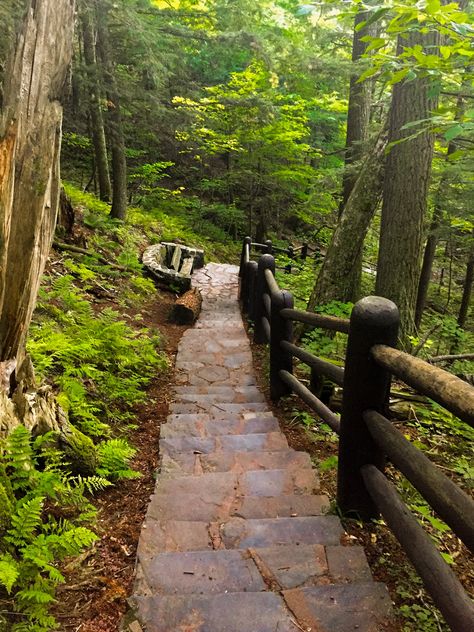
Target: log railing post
column 304, row 251
column 366, row 386
column 281, row 329
column 266, row 262
column 269, row 245
column 252, row 270
column 247, row 242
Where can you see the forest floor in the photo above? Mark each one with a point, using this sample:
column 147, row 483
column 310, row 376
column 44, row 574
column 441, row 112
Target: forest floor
column 99, row 582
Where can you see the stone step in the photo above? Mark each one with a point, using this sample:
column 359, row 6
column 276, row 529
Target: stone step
column 238, row 533
column 218, row 496
column 233, row 396
column 240, row 443
column 229, row 571
column 233, row 378
column 203, row 572
column 231, row 612
column 225, row 461
column 213, row 427
column 365, row 607
column 219, row 389
column 216, row 408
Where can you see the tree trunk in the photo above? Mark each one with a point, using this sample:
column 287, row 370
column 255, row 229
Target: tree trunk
column 115, row 128
column 467, row 290
column 433, row 236
column 358, row 114
column 405, row 192
column 335, row 278
column 95, row 110
column 30, row 137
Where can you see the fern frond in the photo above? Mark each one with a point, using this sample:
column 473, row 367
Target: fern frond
column 9, row 571
column 25, row 521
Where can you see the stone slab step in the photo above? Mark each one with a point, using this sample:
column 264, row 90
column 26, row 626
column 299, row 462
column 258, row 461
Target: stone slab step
column 212, row 375
column 218, row 508
column 213, row 427
column 217, row 408
column 233, row 396
column 227, row 461
column 203, row 572
column 232, row 612
column 217, row 496
column 365, row 607
column 239, row 443
column 238, row 533
column 237, row 570
column 219, row 389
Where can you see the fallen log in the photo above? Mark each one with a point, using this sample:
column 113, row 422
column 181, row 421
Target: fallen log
column 187, row 308
column 88, row 253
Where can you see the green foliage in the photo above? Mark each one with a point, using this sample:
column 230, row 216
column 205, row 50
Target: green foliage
column 114, row 457
column 33, row 542
column 329, row 344
column 98, row 362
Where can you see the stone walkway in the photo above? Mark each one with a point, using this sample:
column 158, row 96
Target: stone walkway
column 235, row 538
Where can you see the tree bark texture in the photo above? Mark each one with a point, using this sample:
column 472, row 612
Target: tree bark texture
column 467, row 290
column 115, row 128
column 30, row 137
column 433, row 235
column 358, row 114
column 405, row 192
column 335, row 278
column 95, row 110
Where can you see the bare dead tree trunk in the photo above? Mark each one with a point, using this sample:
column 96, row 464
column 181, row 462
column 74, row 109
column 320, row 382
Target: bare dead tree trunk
column 30, row 138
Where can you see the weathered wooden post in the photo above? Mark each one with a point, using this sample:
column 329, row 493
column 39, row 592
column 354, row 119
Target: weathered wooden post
column 266, row 262
column 281, row 329
column 374, row 320
column 252, row 270
column 304, row 251
column 269, row 245
column 243, row 256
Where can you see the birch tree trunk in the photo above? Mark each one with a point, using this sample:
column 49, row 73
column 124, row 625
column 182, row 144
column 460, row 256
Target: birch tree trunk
column 30, row 137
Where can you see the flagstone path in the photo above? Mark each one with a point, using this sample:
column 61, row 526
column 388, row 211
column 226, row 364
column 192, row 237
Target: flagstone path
column 236, row 538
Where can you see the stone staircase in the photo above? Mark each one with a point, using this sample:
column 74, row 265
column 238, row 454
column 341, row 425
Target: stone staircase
column 236, row 538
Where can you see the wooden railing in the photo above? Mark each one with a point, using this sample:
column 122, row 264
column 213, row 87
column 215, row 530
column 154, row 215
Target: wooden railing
column 367, row 439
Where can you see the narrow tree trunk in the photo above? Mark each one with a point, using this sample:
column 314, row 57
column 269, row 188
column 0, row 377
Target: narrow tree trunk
column 467, row 290
column 115, row 127
column 433, row 236
column 335, row 278
column 96, row 116
column 358, row 114
column 408, row 172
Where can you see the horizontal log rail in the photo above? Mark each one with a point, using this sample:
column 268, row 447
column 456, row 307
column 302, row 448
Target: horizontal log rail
column 317, row 320
column 454, row 506
column 313, row 402
column 443, row 387
column 322, row 367
column 443, row 585
column 366, row 437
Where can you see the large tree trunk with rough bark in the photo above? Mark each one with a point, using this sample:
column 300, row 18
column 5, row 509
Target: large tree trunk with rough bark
column 405, row 192
column 30, row 138
column 335, row 278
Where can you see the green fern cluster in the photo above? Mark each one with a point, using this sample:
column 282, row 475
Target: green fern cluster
column 99, row 363
column 44, row 520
